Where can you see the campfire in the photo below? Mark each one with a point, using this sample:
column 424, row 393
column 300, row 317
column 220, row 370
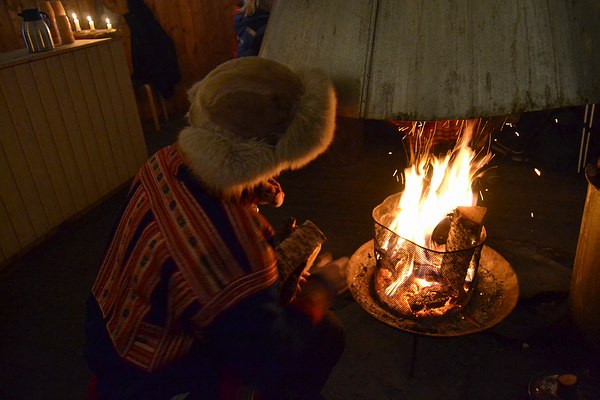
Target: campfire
column 428, row 238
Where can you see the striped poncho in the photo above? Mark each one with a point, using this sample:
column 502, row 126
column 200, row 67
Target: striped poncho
column 178, row 258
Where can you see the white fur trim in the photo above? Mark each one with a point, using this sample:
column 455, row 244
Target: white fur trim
column 228, row 164
column 225, row 163
column 312, row 129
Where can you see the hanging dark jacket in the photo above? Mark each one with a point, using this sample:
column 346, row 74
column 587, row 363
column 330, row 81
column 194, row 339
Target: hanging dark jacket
column 152, row 51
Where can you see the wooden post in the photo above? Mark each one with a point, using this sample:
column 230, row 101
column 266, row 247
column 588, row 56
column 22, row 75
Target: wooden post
column 152, row 103
column 584, row 296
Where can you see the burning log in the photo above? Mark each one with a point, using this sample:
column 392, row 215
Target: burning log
column 427, row 258
column 431, row 301
column 439, row 235
column 296, row 254
column 464, row 233
column 428, row 282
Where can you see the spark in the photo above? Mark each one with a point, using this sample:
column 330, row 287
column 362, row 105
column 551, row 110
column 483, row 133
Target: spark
column 531, row 215
column 517, row 133
column 395, row 172
column 390, row 153
column 481, row 195
column 509, row 124
column 538, row 172
column 556, row 120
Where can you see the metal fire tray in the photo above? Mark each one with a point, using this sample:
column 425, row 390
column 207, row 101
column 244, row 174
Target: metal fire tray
column 495, row 296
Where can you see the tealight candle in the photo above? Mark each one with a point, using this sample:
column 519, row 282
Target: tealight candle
column 108, row 24
column 91, row 23
column 76, row 22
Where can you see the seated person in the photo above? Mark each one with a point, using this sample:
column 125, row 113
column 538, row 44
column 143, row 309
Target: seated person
column 187, row 300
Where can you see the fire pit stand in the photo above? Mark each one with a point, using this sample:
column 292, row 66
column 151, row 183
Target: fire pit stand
column 495, row 296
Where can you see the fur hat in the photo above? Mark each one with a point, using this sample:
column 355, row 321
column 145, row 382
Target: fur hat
column 252, row 118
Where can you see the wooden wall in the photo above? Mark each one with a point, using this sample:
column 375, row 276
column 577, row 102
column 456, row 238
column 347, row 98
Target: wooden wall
column 202, row 31
column 69, row 136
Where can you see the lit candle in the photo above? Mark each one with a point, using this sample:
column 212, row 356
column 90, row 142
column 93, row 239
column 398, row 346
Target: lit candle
column 91, row 22
column 76, row 22
column 108, row 24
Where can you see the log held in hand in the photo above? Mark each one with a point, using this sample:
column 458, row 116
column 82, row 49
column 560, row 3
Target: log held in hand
column 296, row 254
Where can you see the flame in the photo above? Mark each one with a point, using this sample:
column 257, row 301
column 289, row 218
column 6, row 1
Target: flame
column 436, row 185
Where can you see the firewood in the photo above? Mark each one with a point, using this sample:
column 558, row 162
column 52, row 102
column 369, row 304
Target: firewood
column 464, row 234
column 439, row 235
column 431, row 301
column 474, row 214
column 296, row 254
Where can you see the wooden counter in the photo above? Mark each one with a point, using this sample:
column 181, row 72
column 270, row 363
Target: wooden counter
column 70, row 134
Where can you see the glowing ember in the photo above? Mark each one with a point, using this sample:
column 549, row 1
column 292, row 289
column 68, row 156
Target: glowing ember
column 429, row 237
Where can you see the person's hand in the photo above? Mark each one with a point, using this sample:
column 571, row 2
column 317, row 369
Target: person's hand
column 322, row 259
column 289, row 289
column 334, row 272
column 269, row 192
column 319, row 291
column 302, row 281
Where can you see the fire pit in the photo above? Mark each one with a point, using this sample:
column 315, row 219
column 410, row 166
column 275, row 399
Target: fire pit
column 493, row 297
column 422, row 282
column 427, row 270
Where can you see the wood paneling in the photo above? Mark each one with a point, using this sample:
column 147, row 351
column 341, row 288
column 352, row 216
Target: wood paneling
column 53, row 101
column 69, row 135
column 10, row 27
column 202, row 31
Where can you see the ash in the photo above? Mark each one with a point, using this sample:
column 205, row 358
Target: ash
column 479, row 313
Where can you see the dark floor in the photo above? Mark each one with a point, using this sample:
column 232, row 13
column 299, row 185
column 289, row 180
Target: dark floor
column 533, row 221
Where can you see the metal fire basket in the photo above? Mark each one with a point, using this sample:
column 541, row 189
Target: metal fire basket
column 419, row 282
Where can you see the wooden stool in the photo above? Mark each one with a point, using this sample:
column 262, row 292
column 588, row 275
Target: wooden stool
column 152, row 103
